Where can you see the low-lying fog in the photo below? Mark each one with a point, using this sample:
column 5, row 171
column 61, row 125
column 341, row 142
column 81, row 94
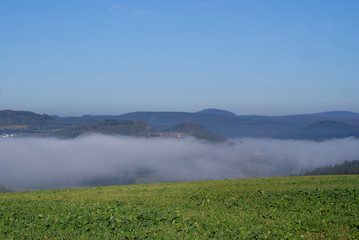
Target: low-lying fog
column 102, row 160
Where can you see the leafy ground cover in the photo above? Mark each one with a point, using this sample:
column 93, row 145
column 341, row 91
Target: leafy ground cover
column 312, row 207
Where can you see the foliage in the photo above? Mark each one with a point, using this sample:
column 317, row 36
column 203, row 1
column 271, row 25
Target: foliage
column 196, row 130
column 109, row 126
column 323, row 130
column 313, row 207
column 348, row 167
column 136, row 128
column 10, row 118
column 224, row 123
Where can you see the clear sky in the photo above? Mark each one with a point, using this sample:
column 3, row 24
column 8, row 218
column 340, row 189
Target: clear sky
column 75, row 57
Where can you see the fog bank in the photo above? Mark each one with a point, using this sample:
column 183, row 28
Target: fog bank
column 102, row 160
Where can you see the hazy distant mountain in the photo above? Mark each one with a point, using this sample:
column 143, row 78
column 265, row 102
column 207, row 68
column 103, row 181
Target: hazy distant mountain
column 217, row 121
column 217, row 112
column 24, row 122
column 322, row 130
column 228, row 124
column 123, row 127
column 9, row 117
column 196, row 130
column 138, row 129
column 329, row 115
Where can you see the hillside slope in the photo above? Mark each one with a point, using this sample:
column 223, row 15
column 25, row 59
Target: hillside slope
column 217, row 121
column 113, row 127
column 9, row 117
column 138, row 129
column 345, row 168
column 196, row 130
column 217, row 112
column 321, row 207
column 323, row 130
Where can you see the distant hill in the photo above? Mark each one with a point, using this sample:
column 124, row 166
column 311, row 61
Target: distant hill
column 9, row 117
column 137, row 128
column 25, row 122
column 345, row 168
column 216, row 121
column 330, row 115
column 217, row 112
column 223, row 125
column 221, row 122
column 124, row 127
column 196, row 130
column 322, row 130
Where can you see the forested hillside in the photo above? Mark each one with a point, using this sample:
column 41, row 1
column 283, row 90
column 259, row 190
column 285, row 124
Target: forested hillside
column 9, row 117
column 317, row 127
column 322, row 130
column 138, row 129
column 113, row 127
column 345, row 168
column 196, row 130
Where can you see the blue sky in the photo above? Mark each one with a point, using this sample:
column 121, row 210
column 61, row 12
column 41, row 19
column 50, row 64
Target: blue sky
column 111, row 57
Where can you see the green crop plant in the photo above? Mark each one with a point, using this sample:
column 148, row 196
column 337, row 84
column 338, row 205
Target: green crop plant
column 313, row 207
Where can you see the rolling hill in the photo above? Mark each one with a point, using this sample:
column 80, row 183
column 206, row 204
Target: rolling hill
column 138, row 129
column 321, row 130
column 9, row 117
column 345, row 168
column 196, row 130
column 313, row 207
column 216, row 121
column 113, row 127
column 217, row 112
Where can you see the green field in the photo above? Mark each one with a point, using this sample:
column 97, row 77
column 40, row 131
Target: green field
column 320, row 207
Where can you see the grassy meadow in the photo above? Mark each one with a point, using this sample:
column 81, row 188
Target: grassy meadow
column 312, row 207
